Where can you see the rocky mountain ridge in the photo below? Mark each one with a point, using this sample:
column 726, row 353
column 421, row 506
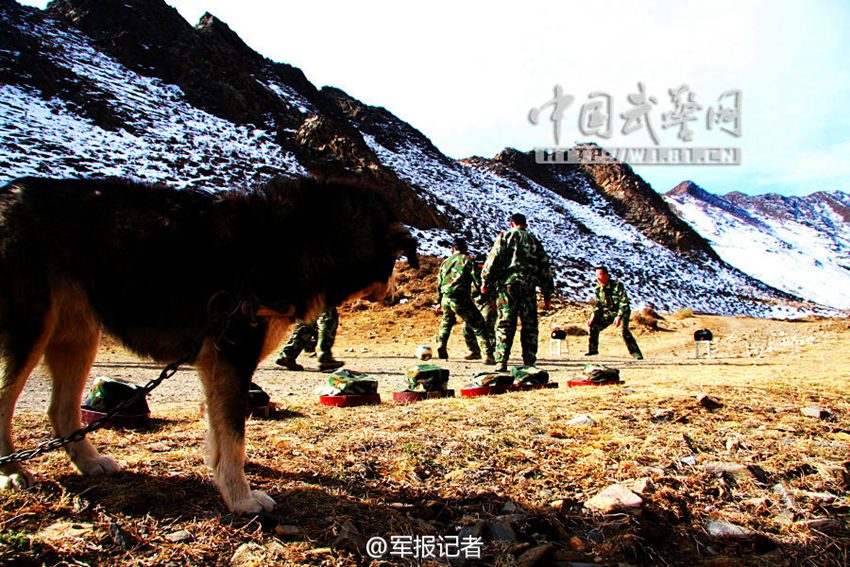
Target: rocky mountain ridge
column 127, row 87
column 798, row 244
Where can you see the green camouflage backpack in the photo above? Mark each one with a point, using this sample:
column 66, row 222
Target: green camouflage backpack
column 427, row 377
column 257, row 397
column 107, row 393
column 347, row 382
column 492, row 379
column 529, row 375
column 600, row 373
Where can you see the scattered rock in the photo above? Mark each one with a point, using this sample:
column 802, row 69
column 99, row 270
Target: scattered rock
column 455, row 475
column 178, row 536
column 819, row 413
column 285, row 530
column 536, row 556
column 615, row 498
column 687, row 461
column 556, row 504
column 63, row 531
column 545, row 493
column 662, row 415
column 759, row 473
column 835, row 472
column 708, row 402
column 689, row 443
column 787, row 498
column 275, row 548
column 424, row 527
column 472, row 531
column 81, row 504
column 120, row 536
column 756, row 503
column 737, row 471
column 529, row 471
column 578, row 544
column 249, row 555
column 511, row 507
column 502, row 531
column 350, row 538
column 641, row 486
column 724, row 530
column 733, row 444
column 820, row 496
column 596, row 536
column 819, row 524
column 513, row 518
column 582, row 420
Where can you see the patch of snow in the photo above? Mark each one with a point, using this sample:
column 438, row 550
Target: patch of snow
column 166, row 138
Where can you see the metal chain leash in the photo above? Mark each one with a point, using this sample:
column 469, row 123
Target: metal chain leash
column 167, row 372
column 100, row 422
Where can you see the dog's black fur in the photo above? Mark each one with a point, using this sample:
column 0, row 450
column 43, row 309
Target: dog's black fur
column 155, row 267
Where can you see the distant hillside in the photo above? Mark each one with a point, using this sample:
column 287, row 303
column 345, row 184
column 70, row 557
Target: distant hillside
column 797, row 244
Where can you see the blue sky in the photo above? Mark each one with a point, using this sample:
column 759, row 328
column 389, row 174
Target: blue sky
column 467, row 73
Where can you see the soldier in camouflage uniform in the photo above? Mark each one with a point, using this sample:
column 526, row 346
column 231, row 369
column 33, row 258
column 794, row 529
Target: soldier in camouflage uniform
column 324, row 328
column 516, row 266
column 486, row 305
column 455, row 283
column 612, row 306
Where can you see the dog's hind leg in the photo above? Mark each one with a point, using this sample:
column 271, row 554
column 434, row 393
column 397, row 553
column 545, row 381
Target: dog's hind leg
column 226, row 390
column 23, row 348
column 69, row 356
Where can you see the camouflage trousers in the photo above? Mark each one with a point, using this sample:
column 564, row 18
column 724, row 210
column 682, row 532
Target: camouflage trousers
column 466, row 310
column 514, row 302
column 322, row 332
column 601, row 323
column 488, row 313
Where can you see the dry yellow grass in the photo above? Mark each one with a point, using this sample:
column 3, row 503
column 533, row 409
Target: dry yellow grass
column 435, row 467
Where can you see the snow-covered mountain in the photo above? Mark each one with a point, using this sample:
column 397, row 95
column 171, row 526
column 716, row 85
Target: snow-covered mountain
column 797, row 244
column 127, row 87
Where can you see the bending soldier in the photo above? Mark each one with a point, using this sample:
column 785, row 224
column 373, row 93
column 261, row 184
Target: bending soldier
column 612, row 306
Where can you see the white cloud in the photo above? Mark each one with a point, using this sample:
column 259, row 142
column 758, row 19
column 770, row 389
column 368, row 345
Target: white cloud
column 466, row 73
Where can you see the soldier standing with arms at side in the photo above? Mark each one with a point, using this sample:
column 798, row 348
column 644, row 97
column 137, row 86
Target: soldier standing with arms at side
column 612, row 306
column 516, row 266
column 455, row 282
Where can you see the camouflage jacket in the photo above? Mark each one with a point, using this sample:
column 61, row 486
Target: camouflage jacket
column 457, row 277
column 611, row 300
column 518, row 256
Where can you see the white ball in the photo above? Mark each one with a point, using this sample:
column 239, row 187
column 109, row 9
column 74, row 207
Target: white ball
column 424, row 352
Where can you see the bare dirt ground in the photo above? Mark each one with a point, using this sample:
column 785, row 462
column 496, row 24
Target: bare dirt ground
column 512, row 469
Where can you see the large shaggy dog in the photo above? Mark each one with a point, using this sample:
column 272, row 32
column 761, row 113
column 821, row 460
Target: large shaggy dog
column 157, row 267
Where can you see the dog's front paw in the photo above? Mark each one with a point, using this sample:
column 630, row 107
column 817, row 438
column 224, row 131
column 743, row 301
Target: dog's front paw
column 258, row 501
column 19, row 479
column 97, row 465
